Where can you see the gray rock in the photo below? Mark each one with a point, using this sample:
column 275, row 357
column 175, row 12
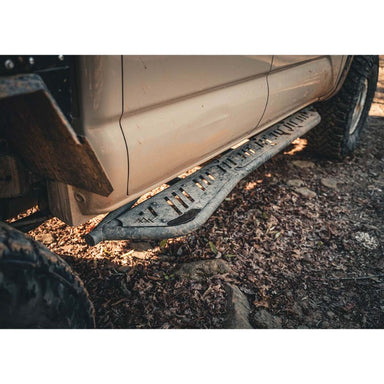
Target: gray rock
column 295, row 183
column 238, row 309
column 303, row 164
column 46, row 238
column 329, row 182
column 198, row 270
column 141, row 246
column 263, row 319
column 304, row 191
column 140, row 255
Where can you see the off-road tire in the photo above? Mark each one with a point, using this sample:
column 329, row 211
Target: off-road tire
column 37, row 288
column 333, row 138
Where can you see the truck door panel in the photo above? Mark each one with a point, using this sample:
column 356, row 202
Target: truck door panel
column 182, row 110
column 296, row 81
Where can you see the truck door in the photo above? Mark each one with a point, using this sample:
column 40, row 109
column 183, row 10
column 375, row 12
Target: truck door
column 179, row 111
column 297, row 81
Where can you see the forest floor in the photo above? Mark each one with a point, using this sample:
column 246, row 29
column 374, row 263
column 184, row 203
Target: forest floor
column 301, row 238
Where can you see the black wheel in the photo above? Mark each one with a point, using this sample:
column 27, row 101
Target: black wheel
column 37, row 288
column 343, row 117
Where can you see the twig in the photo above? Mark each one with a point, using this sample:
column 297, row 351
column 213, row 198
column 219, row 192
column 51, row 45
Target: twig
column 119, row 301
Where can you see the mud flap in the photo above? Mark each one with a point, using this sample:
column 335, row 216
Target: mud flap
column 37, row 130
column 187, row 204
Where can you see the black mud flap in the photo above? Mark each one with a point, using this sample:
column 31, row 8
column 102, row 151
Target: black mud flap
column 187, row 204
column 37, row 130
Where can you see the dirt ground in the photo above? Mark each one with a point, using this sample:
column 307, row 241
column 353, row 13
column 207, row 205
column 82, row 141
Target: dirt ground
column 303, row 239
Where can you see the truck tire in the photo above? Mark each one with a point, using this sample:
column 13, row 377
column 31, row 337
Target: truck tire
column 37, row 288
column 343, row 117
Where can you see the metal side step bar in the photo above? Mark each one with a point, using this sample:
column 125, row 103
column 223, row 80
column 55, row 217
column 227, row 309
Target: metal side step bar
column 186, row 205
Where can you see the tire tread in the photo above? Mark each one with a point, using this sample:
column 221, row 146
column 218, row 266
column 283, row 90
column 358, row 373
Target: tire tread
column 38, row 289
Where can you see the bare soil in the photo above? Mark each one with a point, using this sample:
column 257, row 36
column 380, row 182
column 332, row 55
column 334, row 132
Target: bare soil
column 304, row 239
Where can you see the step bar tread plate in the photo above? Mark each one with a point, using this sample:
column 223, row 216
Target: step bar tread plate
column 186, row 205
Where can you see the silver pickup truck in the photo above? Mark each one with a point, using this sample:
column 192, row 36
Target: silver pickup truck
column 87, row 135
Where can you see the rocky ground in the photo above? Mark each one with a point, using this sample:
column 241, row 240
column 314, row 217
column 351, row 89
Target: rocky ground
column 297, row 244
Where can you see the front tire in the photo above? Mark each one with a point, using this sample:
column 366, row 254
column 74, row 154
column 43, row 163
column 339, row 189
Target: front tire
column 343, row 117
column 37, row 288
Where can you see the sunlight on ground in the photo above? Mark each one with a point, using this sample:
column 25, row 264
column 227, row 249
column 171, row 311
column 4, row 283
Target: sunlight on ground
column 24, row 214
column 151, row 193
column 377, row 108
column 92, row 223
column 299, row 145
column 189, row 172
column 252, row 185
